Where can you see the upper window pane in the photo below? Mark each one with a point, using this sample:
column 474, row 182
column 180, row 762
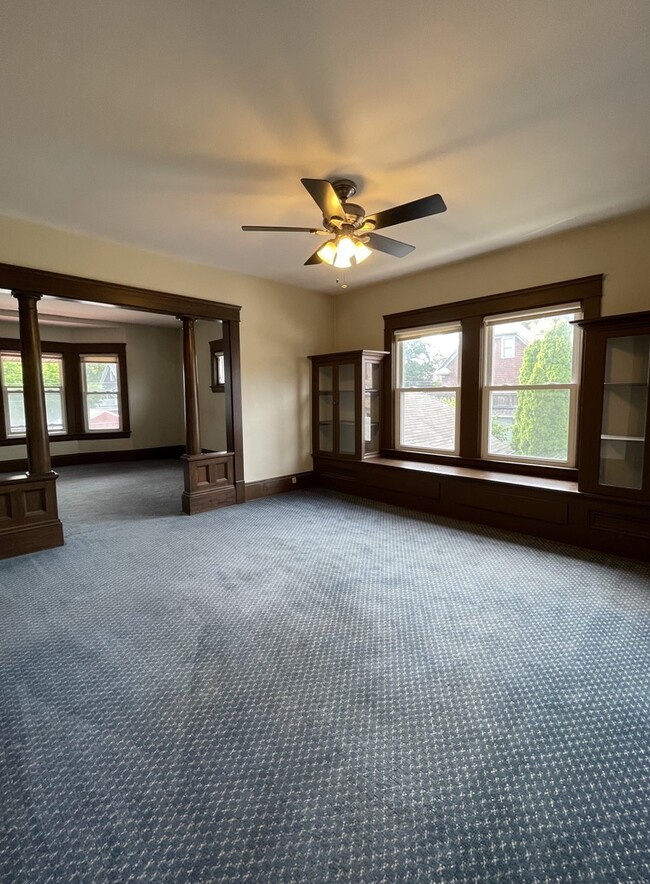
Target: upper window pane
column 430, row 359
column 12, row 370
column 533, row 351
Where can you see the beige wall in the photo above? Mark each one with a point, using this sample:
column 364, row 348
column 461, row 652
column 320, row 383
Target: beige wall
column 212, row 406
column 620, row 249
column 155, row 383
column 281, row 325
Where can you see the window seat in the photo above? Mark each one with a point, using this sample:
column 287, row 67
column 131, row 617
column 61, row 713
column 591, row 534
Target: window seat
column 542, row 507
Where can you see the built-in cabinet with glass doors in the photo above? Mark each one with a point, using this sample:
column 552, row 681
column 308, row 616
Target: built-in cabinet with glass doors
column 346, row 403
column 615, row 424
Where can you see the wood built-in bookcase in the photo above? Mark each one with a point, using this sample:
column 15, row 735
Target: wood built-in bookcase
column 615, row 419
column 607, row 509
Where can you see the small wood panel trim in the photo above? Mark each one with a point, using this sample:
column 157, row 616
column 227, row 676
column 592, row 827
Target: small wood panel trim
column 28, row 515
column 209, row 482
column 619, row 524
column 79, row 288
column 526, row 505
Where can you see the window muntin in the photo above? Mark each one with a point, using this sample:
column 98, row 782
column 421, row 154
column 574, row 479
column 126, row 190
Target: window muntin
column 11, row 380
column 508, row 347
column 530, row 400
column 427, row 394
column 100, row 381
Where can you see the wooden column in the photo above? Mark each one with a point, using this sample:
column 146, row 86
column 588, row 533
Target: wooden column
column 38, row 442
column 29, row 518
column 192, row 427
column 209, row 480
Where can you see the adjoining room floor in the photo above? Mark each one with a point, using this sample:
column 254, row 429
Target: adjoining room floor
column 314, row 688
column 108, row 494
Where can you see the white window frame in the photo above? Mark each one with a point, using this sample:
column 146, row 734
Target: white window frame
column 409, row 335
column 60, row 389
column 489, row 323
column 111, row 359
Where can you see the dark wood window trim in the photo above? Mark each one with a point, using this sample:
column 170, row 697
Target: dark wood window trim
column 73, row 391
column 471, row 313
column 217, row 378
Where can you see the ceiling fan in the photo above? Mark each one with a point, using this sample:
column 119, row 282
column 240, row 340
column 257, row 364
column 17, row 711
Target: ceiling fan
column 352, row 232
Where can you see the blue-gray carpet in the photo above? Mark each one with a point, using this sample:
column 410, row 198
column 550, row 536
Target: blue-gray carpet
column 312, row 688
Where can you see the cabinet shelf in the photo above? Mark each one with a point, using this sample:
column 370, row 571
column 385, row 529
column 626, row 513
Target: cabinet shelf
column 615, row 419
column 607, row 437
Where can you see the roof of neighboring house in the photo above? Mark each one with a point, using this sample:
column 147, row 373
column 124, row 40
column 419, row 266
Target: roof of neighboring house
column 429, row 422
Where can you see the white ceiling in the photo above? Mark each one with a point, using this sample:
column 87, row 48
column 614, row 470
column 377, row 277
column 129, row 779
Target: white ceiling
column 167, row 124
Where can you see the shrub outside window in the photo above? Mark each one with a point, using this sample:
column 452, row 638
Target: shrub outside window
column 11, row 377
column 517, row 389
column 530, row 399
column 85, row 389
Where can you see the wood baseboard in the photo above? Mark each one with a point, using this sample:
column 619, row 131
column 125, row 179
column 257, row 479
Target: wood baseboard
column 278, row 485
column 90, row 457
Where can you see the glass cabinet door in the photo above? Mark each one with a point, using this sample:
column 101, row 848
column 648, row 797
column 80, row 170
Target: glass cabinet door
column 371, row 405
column 347, row 412
column 326, row 408
column 625, row 406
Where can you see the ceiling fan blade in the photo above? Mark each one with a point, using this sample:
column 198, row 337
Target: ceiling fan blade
column 286, row 229
column 390, row 246
column 314, row 259
column 324, row 195
column 428, row 205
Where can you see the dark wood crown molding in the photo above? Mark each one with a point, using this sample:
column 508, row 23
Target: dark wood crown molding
column 31, row 280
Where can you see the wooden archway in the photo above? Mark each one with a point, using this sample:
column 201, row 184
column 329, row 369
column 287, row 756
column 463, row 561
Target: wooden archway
column 28, row 506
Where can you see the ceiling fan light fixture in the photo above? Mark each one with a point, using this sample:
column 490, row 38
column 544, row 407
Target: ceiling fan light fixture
column 361, row 251
column 327, row 251
column 343, row 250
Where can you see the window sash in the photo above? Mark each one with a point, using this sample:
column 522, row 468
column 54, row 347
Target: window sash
column 402, row 390
column 12, row 393
column 490, row 324
column 111, row 397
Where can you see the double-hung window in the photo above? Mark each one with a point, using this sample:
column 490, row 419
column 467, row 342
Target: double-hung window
column 100, row 381
column 85, row 391
column 11, row 380
column 530, row 399
column 428, row 388
column 513, row 402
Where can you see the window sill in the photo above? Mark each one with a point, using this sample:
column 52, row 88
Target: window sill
column 483, row 473
column 69, row 437
column 477, row 465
